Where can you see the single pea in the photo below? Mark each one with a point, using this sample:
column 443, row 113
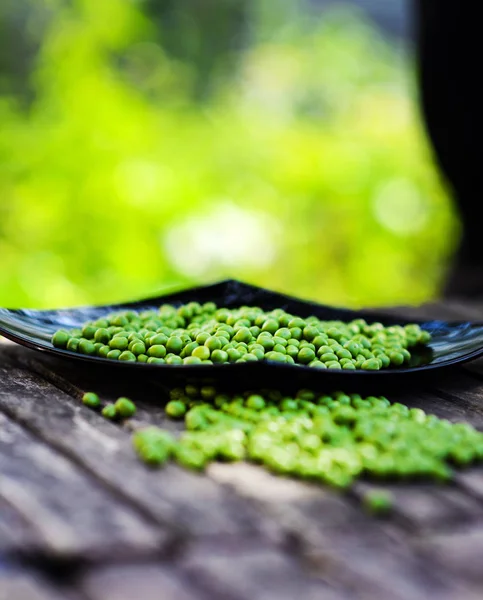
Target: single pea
column 271, row 326
column 333, row 364
column 276, row 356
column 280, row 349
column 173, row 360
column 349, row 366
column 138, row 348
column 396, row 358
column 152, row 360
column 372, row 364
column 297, row 322
column 305, row 356
column 60, row 339
column 88, row 331
column 289, row 404
column 91, row 400
column 283, row 332
column 142, row 358
column 378, row 502
column 218, row 356
column 319, row 340
column 202, row 337
column 202, row 352
column 174, row 345
column 310, row 332
column 125, row 408
column 266, row 342
column 86, row 347
column 118, row 343
column 233, row 354
column 159, row 339
column 243, row 335
column 157, row 351
column 127, row 356
column 213, row 343
column 109, row 411
column 318, row 364
column 103, row 351
column 113, row 354
column 191, row 360
column 329, row 357
column 255, row 402
column 175, row 409
column 189, row 349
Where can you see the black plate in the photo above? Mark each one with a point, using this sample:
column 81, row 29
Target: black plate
column 452, row 342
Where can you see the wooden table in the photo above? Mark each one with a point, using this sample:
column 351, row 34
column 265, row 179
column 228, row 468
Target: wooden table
column 82, row 519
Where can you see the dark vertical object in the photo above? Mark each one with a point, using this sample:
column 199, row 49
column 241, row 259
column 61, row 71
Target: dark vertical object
column 450, row 54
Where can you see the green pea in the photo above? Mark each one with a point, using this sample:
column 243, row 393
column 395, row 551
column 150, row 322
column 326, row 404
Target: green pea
column 60, row 339
column 255, row 402
column 305, row 355
column 142, row 358
column 233, row 354
column 213, row 343
column 378, row 502
column 192, row 360
column 109, row 412
column 289, row 404
column 372, row 364
column 103, row 351
column 298, row 323
column 125, row 407
column 271, row 326
column 279, row 348
column 91, row 400
column 218, row 356
column 202, row 337
column 189, row 349
column 159, row 339
column 175, row 409
column 202, row 352
column 349, row 366
column 174, row 345
column 333, row 364
column 118, row 343
column 152, row 360
column 86, row 347
column 127, row 356
column 396, row 358
column 157, row 351
column 283, row 332
column 310, row 332
column 329, row 357
column 173, row 359
column 276, row 356
column 317, row 364
column 243, row 335
column 113, row 354
column 88, row 331
column 138, row 348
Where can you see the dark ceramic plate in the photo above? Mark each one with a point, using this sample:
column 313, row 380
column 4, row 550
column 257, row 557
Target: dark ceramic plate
column 452, row 342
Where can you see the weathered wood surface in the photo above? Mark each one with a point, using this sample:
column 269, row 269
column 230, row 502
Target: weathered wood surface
column 82, row 519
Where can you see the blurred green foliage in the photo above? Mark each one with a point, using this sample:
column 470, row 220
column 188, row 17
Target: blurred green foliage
column 293, row 160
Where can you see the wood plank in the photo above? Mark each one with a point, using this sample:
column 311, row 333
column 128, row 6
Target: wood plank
column 182, row 500
column 146, row 581
column 342, row 545
column 15, row 533
column 458, row 552
column 244, row 571
column 71, row 514
column 18, row 583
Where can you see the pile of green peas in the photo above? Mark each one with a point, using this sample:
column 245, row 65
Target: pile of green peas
column 197, row 334
column 330, row 438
